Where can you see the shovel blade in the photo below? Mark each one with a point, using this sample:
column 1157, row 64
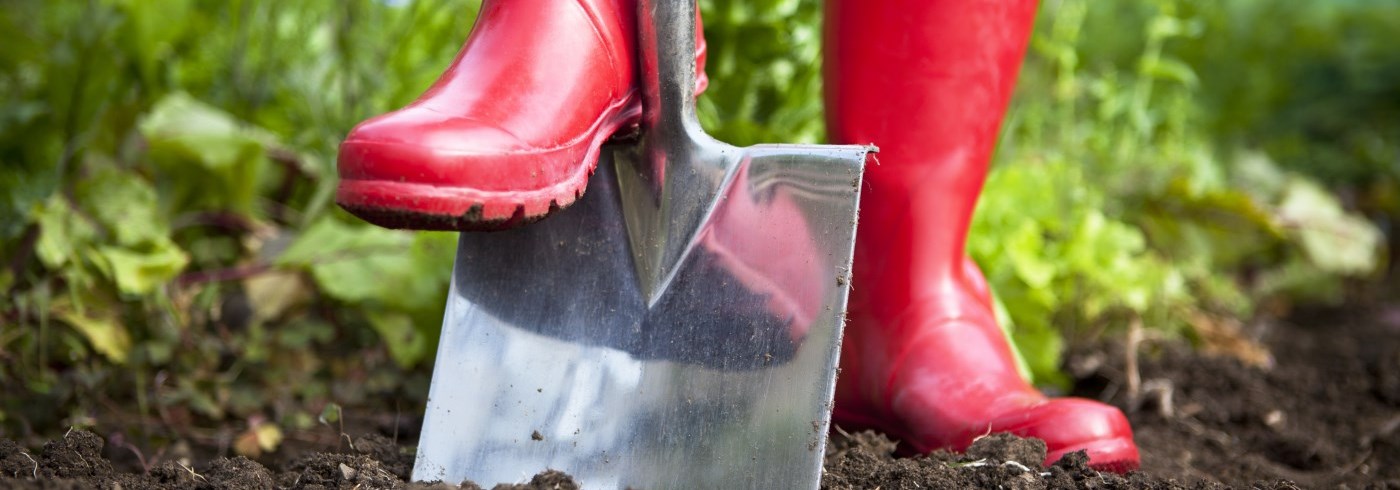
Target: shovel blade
column 604, row 344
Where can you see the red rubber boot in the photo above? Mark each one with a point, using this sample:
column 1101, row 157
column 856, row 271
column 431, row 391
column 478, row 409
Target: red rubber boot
column 923, row 359
column 512, row 130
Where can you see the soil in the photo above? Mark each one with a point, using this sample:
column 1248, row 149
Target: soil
column 1325, row 414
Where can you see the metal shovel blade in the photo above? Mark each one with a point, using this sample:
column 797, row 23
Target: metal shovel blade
column 677, row 327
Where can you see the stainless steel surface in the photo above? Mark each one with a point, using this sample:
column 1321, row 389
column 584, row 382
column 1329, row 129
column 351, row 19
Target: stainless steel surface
column 677, row 327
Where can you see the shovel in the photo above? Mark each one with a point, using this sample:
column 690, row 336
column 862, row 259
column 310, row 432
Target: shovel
column 677, row 327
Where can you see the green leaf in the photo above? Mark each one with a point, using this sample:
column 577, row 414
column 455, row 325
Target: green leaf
column 1040, row 347
column 329, row 240
column 104, row 333
column 330, row 414
column 1333, row 240
column 406, row 344
column 351, row 263
column 1007, row 327
column 1026, row 250
column 271, row 293
column 124, row 203
column 1256, row 174
column 1174, row 70
column 1225, row 208
column 139, row 272
column 401, row 278
column 1300, row 279
column 217, row 159
column 150, row 33
column 212, row 138
column 408, row 271
column 62, row 232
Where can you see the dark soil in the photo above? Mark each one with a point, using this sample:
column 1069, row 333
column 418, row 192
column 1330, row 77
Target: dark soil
column 1003, row 461
column 1326, row 414
column 76, row 461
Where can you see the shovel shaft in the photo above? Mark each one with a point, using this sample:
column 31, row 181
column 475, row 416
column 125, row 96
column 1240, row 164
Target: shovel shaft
column 666, row 42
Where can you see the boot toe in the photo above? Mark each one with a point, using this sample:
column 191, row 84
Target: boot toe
column 1073, row 424
column 414, row 143
column 421, row 169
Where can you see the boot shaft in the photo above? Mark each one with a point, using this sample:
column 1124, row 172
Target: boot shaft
column 928, row 82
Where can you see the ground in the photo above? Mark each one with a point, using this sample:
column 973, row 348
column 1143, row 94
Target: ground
column 1323, row 412
column 1325, row 415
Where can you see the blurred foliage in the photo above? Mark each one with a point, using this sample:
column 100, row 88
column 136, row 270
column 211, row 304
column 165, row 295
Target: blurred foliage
column 764, row 64
column 1327, row 102
column 169, row 233
column 1151, row 206
column 168, row 220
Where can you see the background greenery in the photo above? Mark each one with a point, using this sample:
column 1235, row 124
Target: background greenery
column 172, row 252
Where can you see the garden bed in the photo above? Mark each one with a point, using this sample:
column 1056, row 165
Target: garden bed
column 1326, row 414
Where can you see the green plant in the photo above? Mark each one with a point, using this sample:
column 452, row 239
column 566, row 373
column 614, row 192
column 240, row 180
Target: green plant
column 1142, row 215
column 169, row 171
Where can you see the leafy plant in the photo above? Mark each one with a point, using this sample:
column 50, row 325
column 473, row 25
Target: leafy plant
column 168, row 180
column 1173, row 222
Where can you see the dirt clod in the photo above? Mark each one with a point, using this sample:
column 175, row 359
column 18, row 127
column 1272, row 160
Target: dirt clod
column 548, row 480
column 77, row 455
column 866, row 460
column 392, row 456
column 326, row 470
column 15, row 462
column 1002, row 448
column 173, row 474
column 238, row 472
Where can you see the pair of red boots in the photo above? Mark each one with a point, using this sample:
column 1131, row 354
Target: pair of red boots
column 512, row 131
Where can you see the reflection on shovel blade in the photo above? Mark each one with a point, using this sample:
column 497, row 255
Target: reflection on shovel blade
column 653, row 336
